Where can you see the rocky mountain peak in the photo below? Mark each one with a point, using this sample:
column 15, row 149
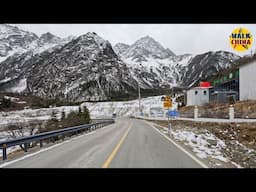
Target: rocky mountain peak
column 49, row 38
column 120, row 48
column 147, row 47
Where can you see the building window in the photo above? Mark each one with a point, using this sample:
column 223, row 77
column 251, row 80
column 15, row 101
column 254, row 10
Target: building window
column 196, row 92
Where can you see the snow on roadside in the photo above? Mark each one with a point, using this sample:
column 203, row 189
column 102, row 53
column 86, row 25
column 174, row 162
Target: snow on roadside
column 204, row 144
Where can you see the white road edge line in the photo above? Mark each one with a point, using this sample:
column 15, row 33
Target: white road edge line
column 179, row 147
column 48, row 148
column 42, row 150
column 51, row 147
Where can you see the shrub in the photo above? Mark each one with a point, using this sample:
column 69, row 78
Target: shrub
column 72, row 119
column 5, row 103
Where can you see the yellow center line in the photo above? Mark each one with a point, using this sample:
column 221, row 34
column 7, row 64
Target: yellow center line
column 113, row 153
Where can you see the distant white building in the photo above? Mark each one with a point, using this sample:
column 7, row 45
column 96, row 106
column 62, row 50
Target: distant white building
column 198, row 96
column 247, row 81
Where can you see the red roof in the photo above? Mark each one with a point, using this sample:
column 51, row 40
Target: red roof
column 205, row 84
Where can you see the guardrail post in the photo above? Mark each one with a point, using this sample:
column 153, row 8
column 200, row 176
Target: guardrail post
column 63, row 137
column 195, row 112
column 26, row 147
column 231, row 112
column 4, row 152
column 41, row 143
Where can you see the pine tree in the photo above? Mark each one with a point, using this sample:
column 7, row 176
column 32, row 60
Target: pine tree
column 79, row 110
column 86, row 115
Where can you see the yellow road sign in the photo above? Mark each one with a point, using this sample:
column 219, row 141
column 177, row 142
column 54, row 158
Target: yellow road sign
column 167, row 104
column 167, row 98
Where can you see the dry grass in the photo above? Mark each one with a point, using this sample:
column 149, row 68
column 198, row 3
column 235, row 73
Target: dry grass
column 233, row 134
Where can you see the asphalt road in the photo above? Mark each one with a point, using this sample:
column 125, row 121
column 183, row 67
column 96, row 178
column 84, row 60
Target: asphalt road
column 129, row 143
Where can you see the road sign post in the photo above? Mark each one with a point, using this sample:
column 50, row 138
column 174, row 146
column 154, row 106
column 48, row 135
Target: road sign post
column 167, row 104
column 169, row 128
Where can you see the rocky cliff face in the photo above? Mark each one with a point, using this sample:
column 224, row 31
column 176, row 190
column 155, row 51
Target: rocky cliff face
column 86, row 68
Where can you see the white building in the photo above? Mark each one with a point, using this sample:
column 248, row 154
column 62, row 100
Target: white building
column 198, row 96
column 247, row 81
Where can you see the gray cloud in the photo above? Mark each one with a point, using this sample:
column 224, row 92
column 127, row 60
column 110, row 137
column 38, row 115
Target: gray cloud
column 180, row 38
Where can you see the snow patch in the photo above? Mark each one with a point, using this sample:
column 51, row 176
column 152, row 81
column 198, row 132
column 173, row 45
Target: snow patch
column 5, row 80
column 201, row 144
column 21, row 86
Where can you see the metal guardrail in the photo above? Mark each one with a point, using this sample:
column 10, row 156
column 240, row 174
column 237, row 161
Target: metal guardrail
column 51, row 134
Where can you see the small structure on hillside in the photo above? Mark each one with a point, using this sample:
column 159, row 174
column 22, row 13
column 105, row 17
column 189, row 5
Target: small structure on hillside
column 199, row 95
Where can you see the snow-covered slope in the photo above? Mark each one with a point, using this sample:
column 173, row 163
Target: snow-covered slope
column 155, row 72
column 47, row 41
column 149, row 106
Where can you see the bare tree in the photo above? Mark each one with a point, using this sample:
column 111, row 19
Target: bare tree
column 23, row 129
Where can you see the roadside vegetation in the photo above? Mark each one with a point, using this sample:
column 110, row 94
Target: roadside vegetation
column 21, row 101
column 67, row 120
column 74, row 118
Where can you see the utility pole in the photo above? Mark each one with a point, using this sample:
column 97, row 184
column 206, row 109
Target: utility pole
column 108, row 90
column 139, row 98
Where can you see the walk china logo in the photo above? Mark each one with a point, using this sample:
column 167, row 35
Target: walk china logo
column 241, row 39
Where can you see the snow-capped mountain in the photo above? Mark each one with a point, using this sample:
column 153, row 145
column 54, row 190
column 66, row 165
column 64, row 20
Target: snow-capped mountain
column 48, row 41
column 154, row 67
column 204, row 65
column 13, row 40
column 146, row 47
column 87, row 68
column 84, row 69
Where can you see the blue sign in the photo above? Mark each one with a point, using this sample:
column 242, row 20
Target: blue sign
column 172, row 113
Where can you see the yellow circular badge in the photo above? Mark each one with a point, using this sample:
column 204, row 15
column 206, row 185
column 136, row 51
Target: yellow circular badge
column 241, row 39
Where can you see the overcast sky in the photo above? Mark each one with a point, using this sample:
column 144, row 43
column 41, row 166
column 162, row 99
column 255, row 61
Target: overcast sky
column 180, row 38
